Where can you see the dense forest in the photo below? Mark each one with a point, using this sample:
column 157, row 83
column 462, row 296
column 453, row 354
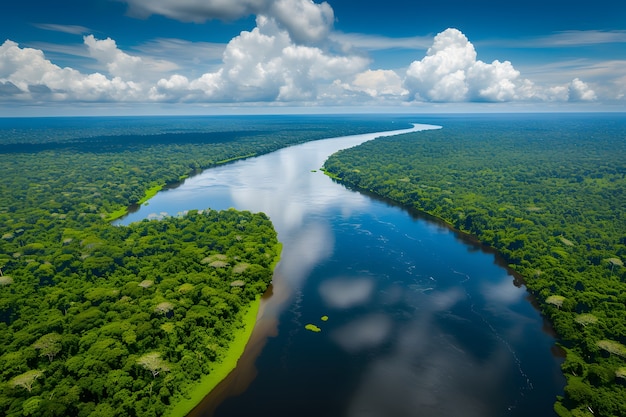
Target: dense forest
column 104, row 320
column 548, row 193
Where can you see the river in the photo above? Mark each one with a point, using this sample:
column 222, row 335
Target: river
column 419, row 320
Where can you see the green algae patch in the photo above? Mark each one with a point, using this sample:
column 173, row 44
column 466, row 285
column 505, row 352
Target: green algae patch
column 312, row 328
column 324, row 318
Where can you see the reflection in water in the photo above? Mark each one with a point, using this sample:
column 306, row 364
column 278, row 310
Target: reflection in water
column 420, row 323
column 304, row 251
column 363, row 333
column 344, row 293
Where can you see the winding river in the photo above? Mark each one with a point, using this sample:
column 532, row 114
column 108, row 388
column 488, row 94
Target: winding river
column 420, row 321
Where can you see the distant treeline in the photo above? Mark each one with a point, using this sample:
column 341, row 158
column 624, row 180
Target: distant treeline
column 103, row 320
column 548, row 192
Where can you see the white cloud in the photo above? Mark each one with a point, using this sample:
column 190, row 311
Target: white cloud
column 265, row 65
column 71, row 29
column 37, row 78
column 450, row 72
column 580, row 91
column 568, row 38
column 120, row 64
column 305, row 21
column 493, row 82
column 379, row 83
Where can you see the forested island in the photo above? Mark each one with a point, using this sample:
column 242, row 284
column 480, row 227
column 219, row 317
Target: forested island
column 104, row 320
column 548, row 193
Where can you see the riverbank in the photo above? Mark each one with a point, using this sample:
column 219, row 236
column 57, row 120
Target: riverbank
column 222, row 369
column 228, row 363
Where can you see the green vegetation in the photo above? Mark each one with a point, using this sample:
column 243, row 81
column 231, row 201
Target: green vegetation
column 548, row 193
column 129, row 318
column 220, row 370
column 103, row 320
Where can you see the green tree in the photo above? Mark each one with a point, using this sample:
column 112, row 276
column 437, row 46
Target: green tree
column 152, row 362
column 49, row 345
column 26, row 380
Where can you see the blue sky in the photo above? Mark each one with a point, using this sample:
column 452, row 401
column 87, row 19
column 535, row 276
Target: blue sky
column 273, row 56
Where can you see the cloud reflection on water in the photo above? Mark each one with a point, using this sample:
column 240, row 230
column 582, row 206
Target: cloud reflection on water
column 345, row 292
column 502, row 292
column 427, row 373
column 363, row 333
column 304, row 251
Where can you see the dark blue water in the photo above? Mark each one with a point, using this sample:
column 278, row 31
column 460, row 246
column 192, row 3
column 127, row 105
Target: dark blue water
column 421, row 322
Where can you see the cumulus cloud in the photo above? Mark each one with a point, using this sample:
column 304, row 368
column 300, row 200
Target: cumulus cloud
column 450, row 72
column 305, row 21
column 580, row 91
column 265, row 65
column 120, row 64
column 33, row 75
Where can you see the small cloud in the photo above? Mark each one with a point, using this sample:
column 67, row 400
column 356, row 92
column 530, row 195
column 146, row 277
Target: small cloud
column 580, row 91
column 306, row 21
column 572, row 38
column 376, row 42
column 120, row 64
column 71, row 29
column 198, row 11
